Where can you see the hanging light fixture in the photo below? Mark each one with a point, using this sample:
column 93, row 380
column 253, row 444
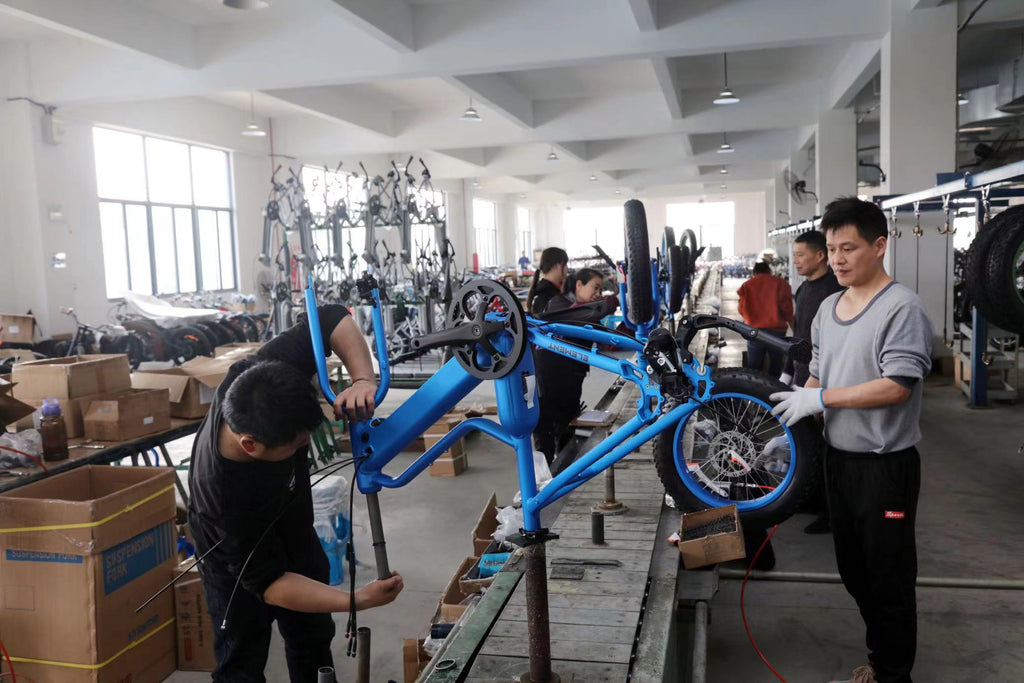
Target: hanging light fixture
column 726, row 96
column 470, row 114
column 253, row 130
column 552, row 157
column 961, row 99
column 476, row 183
column 724, row 171
column 593, row 178
column 618, row 191
column 725, row 147
column 723, row 186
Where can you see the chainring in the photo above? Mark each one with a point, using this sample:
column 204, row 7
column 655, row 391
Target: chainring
column 499, row 353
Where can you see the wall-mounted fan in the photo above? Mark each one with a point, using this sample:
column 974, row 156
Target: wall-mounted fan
column 797, row 188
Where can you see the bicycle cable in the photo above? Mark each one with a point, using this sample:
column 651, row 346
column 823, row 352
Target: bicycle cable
column 743, row 612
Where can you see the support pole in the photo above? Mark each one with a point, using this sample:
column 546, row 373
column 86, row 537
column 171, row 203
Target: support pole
column 325, row 674
column 380, row 551
column 537, row 615
column 363, row 654
column 610, row 506
column 700, row 642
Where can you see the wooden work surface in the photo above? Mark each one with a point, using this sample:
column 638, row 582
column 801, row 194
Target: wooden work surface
column 110, row 452
column 594, row 620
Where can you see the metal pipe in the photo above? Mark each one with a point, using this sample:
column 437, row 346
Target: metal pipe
column 596, row 528
column 537, row 613
column 363, row 654
column 380, row 551
column 922, row 581
column 325, row 674
column 698, row 670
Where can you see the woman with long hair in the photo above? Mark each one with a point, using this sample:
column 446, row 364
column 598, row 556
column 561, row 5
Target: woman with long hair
column 548, row 279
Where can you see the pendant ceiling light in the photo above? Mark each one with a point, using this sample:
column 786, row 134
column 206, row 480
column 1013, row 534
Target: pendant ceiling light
column 725, row 147
column 470, row 114
column 253, row 130
column 723, row 186
column 593, row 178
column 961, row 99
column 726, row 96
column 724, row 171
column 618, row 191
column 552, row 157
column 476, row 183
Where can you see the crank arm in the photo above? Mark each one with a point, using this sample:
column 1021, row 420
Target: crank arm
column 460, row 335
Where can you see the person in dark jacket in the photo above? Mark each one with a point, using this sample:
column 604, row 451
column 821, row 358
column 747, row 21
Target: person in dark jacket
column 251, row 505
column 548, row 279
column 810, row 256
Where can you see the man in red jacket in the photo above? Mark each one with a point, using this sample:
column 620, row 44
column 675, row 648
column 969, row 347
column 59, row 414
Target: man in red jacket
column 766, row 302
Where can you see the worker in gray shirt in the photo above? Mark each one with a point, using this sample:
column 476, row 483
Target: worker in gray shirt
column 871, row 351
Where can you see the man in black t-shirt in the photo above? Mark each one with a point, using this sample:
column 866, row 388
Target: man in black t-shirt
column 810, row 256
column 250, row 486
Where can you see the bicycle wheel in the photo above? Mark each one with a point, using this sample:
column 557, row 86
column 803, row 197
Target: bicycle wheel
column 639, row 297
column 1004, row 271
column 732, row 450
column 191, row 342
column 677, row 273
column 668, row 239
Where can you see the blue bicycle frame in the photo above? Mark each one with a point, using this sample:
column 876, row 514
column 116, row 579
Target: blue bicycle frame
column 376, row 442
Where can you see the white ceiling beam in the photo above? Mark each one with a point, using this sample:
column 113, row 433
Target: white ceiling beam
column 389, row 21
column 500, row 95
column 477, row 156
column 574, row 150
column 669, row 84
column 645, row 12
column 112, row 23
column 857, row 67
column 329, row 104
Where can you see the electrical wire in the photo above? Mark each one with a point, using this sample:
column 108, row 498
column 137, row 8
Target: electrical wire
column 743, row 612
column 27, row 455
column 10, row 665
column 352, row 627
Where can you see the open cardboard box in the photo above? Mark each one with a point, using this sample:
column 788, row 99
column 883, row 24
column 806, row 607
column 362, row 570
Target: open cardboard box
column 486, row 525
column 192, row 385
column 451, row 607
column 127, row 415
column 11, row 409
column 414, row 658
column 715, row 548
column 71, row 377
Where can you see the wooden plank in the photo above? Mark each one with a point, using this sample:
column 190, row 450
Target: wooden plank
column 609, row 535
column 626, row 562
column 642, row 544
column 616, row 523
column 562, row 601
column 563, row 615
column 561, row 649
column 621, row 635
column 584, row 587
column 498, row 669
column 608, row 575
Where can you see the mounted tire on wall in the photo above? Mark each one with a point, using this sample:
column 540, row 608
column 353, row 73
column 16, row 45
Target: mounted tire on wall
column 733, row 450
column 639, row 297
column 977, row 258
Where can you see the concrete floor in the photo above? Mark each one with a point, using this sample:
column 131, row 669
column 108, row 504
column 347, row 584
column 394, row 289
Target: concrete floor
column 970, row 525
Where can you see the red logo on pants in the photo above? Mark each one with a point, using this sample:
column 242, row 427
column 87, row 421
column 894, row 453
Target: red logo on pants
column 893, row 514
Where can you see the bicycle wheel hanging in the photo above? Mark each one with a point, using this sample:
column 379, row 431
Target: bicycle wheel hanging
column 677, row 277
column 733, row 450
column 1004, row 271
column 979, row 290
column 639, row 297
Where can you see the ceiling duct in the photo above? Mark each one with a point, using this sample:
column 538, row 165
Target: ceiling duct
column 1010, row 90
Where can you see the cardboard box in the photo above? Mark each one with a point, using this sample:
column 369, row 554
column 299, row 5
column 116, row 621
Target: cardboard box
column 451, row 607
column 93, row 544
column 414, row 658
column 72, row 410
column 17, row 329
column 448, row 466
column 195, row 630
column 714, row 548
column 486, row 525
column 127, row 415
column 247, row 347
column 192, row 385
column 470, row 581
column 71, row 377
column 19, row 355
column 11, row 409
column 447, row 423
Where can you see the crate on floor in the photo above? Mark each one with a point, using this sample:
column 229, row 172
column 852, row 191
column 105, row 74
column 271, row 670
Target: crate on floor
column 711, row 536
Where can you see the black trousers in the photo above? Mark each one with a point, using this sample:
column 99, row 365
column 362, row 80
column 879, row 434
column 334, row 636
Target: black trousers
column 560, row 388
column 242, row 647
column 872, row 501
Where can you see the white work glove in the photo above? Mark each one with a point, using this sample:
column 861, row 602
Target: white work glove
column 786, row 379
column 797, row 404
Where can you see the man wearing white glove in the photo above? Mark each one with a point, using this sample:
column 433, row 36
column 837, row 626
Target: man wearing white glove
column 871, row 351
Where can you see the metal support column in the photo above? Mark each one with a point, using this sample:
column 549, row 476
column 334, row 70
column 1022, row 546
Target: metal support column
column 538, row 623
column 610, row 506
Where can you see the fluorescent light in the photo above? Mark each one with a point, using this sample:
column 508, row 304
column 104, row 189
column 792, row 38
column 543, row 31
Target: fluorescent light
column 618, row 191
column 470, row 114
column 961, row 99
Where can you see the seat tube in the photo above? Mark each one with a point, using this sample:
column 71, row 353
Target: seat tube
column 527, row 482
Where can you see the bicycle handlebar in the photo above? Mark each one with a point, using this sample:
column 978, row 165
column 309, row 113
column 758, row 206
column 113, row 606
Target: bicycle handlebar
column 797, row 349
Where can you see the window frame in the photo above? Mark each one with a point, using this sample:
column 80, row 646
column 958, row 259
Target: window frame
column 492, row 234
column 193, row 208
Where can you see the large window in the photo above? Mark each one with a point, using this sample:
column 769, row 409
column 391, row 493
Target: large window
column 601, row 226
column 486, row 230
column 165, row 215
column 524, row 233
column 714, row 223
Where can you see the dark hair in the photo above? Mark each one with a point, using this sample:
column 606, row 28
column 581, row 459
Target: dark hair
column 865, row 216
column 584, row 275
column 272, row 401
column 813, row 239
column 549, row 258
column 761, row 267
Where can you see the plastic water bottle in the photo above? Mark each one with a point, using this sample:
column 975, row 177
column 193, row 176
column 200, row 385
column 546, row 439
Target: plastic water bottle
column 52, row 431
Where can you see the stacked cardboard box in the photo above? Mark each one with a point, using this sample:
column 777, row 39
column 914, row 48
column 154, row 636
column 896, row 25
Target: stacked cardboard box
column 127, row 415
column 74, row 381
column 192, row 385
column 17, row 329
column 453, row 461
column 79, row 552
column 195, row 630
